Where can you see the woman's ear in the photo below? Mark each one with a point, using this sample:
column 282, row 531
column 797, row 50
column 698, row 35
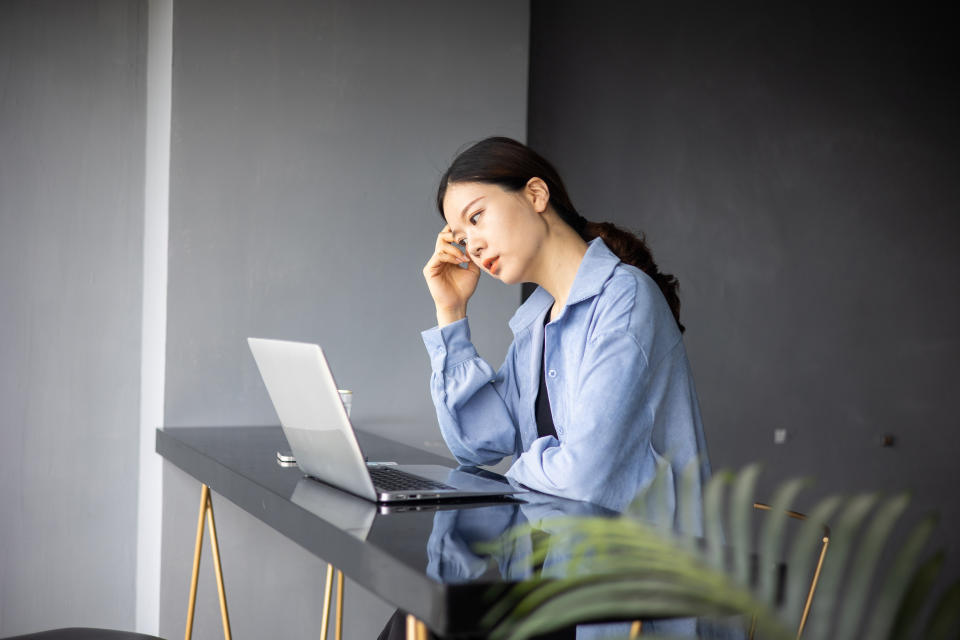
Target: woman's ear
column 539, row 194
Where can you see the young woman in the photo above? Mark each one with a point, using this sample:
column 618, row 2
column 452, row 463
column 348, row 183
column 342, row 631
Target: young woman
column 596, row 391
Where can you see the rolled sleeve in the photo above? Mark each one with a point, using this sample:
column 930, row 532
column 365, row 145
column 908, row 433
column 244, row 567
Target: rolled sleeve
column 475, row 419
column 449, row 345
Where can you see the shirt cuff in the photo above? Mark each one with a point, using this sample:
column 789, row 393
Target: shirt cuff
column 449, row 345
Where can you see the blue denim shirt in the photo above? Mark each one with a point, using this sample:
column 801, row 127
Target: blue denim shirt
column 619, row 382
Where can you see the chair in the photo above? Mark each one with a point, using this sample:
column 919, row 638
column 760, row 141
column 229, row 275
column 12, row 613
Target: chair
column 637, row 627
column 824, row 543
column 78, row 633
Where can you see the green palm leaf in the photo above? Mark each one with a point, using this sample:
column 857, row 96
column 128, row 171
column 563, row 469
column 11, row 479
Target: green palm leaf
column 680, row 582
column 771, row 541
column 945, row 617
column 895, row 585
column 712, row 518
column 916, row 595
column 801, row 561
column 741, row 516
column 841, row 543
column 862, row 570
column 688, row 509
column 623, row 568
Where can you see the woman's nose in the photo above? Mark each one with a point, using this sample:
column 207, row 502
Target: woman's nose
column 474, row 244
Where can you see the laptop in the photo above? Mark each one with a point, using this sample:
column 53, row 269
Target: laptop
column 315, row 422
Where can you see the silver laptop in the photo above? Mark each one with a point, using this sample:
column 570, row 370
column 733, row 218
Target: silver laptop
column 305, row 396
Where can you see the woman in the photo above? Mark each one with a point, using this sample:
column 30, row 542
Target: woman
column 596, row 391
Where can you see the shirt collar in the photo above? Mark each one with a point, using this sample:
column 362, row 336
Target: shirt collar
column 595, row 269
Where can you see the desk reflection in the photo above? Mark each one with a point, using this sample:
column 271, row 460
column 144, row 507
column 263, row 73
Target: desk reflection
column 466, row 543
column 341, row 509
column 454, row 547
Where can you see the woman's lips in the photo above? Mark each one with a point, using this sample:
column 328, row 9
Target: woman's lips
column 491, row 264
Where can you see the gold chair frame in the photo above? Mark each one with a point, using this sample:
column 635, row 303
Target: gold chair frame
column 824, row 544
column 636, row 627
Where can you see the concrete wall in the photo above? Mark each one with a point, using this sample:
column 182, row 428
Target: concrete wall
column 71, row 194
column 307, row 139
column 307, row 142
column 797, row 169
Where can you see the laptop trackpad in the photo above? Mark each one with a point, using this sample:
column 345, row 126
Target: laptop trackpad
column 461, row 480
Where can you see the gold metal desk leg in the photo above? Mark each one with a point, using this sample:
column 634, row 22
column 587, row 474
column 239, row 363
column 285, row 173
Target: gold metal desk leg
column 338, row 628
column 206, row 512
column 218, row 570
column 327, row 590
column 204, row 492
column 635, row 629
column 416, row 630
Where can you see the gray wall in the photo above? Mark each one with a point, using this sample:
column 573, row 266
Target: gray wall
column 307, row 141
column 797, row 169
column 71, row 188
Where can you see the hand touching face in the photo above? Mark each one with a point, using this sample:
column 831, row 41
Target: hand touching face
column 450, row 284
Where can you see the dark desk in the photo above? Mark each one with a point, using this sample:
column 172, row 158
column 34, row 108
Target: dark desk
column 402, row 556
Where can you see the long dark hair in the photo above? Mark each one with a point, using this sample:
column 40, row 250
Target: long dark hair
column 510, row 165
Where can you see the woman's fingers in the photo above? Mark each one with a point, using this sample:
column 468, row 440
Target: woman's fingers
column 454, row 254
column 445, row 256
column 446, row 253
column 441, row 264
column 447, row 236
column 450, row 284
column 444, row 246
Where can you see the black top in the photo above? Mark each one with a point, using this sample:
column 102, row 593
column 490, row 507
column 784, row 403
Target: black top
column 545, row 426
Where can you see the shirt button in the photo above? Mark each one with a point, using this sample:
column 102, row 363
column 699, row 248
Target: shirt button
column 552, row 373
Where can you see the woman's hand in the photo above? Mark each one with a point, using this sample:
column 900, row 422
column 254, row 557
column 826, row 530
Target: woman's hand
column 450, row 284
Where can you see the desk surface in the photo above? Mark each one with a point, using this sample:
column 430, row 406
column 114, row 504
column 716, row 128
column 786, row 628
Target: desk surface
column 421, row 560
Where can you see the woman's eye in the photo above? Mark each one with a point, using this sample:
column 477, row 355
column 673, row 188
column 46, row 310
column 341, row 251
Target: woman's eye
column 462, row 242
column 473, row 218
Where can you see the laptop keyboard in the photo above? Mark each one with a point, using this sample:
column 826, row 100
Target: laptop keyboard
column 387, row 479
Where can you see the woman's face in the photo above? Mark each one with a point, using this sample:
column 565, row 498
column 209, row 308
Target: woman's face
column 502, row 231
